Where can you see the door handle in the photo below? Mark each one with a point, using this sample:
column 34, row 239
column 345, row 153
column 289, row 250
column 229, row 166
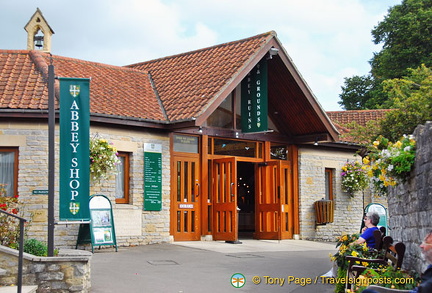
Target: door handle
column 232, row 189
column 197, row 189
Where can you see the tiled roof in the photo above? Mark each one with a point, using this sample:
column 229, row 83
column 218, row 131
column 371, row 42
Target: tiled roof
column 114, row 90
column 187, row 83
column 340, row 119
column 359, row 116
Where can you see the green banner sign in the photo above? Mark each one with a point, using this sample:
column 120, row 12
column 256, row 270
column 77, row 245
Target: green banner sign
column 74, row 148
column 254, row 99
column 152, row 177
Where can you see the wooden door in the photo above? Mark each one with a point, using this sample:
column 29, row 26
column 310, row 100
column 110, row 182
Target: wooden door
column 225, row 215
column 185, row 199
column 273, row 209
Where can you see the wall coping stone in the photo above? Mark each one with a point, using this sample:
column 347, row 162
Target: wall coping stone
column 63, row 255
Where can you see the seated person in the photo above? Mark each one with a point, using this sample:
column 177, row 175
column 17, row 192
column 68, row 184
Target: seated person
column 371, row 221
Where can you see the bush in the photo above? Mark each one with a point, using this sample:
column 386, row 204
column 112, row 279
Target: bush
column 35, row 247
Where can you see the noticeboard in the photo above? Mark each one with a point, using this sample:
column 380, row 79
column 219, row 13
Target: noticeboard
column 152, row 177
column 101, row 222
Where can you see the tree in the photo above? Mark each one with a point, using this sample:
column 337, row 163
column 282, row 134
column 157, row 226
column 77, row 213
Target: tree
column 406, row 38
column 356, row 92
column 412, row 96
column 362, row 92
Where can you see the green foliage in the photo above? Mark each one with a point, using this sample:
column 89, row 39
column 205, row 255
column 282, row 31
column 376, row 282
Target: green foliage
column 35, row 247
column 405, row 35
column 412, row 96
column 356, row 92
column 388, row 277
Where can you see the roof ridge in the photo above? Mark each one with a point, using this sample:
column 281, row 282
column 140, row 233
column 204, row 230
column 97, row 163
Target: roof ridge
column 353, row 111
column 270, row 33
column 98, row 64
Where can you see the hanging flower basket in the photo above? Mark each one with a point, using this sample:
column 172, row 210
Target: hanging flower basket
column 353, row 178
column 103, row 159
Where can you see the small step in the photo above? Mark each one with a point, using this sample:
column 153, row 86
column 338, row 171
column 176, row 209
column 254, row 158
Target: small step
column 13, row 289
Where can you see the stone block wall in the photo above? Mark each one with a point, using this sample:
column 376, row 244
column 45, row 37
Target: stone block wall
column 348, row 211
column 410, row 204
column 32, row 140
column 68, row 272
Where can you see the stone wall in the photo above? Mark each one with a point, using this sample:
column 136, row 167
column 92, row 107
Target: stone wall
column 410, row 204
column 68, row 272
column 142, row 228
column 348, row 211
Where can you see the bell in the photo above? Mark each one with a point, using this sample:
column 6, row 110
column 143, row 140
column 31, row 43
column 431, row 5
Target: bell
column 39, row 41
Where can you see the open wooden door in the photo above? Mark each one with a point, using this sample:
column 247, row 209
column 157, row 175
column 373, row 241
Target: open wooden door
column 274, row 217
column 225, row 214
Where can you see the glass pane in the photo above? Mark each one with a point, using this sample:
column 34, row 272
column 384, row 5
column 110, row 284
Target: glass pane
column 279, row 152
column 234, row 148
column 7, row 161
column 327, row 184
column 223, row 116
column 192, row 183
column 120, row 179
column 186, row 184
column 178, row 181
column 185, row 221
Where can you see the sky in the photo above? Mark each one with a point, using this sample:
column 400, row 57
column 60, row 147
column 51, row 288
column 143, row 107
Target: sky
column 328, row 40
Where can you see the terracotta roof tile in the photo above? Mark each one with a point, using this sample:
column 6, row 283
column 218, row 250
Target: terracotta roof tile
column 187, row 83
column 340, row 119
column 114, row 90
column 360, row 116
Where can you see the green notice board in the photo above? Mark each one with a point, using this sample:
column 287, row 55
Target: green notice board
column 152, row 177
column 101, row 222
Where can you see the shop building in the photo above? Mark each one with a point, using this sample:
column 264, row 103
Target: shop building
column 246, row 148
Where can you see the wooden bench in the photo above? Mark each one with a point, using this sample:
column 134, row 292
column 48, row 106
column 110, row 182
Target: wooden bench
column 391, row 255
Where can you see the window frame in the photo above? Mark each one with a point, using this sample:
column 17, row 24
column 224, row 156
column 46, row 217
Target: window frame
column 126, row 178
column 328, row 177
column 14, row 150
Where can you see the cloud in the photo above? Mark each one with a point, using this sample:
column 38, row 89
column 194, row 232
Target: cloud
column 324, row 38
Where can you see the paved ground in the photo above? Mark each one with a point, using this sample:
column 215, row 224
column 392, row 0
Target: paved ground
column 208, row 266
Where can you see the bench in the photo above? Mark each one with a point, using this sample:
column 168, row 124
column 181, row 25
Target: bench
column 390, row 255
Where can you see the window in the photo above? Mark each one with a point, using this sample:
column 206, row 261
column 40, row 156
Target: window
column 329, row 184
column 122, row 179
column 278, row 152
column 9, row 171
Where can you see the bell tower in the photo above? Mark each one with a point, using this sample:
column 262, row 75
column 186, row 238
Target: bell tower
column 38, row 33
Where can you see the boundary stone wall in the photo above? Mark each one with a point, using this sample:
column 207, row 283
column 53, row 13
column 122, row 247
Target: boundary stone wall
column 67, row 272
column 410, row 204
